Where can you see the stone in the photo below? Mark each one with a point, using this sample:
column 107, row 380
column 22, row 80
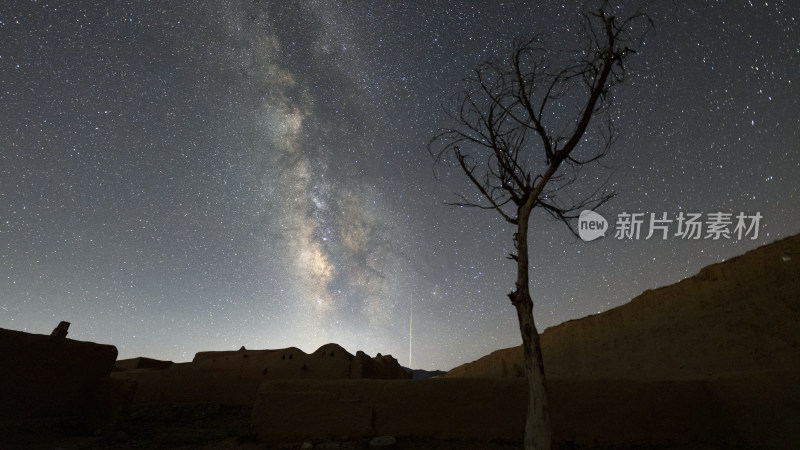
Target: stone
column 60, row 331
column 384, row 442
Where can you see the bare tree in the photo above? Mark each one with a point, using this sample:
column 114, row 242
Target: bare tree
column 519, row 122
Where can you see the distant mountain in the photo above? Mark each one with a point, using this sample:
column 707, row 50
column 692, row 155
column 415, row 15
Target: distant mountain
column 419, row 374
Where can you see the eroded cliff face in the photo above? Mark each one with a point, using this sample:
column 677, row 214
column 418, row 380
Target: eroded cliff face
column 51, row 376
column 741, row 315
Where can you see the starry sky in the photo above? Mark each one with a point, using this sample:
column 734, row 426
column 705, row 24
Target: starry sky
column 186, row 176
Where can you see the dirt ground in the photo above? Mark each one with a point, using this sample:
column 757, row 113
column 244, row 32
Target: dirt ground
column 210, row 426
column 191, row 426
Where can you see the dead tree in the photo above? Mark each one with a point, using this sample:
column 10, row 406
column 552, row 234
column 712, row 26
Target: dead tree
column 521, row 133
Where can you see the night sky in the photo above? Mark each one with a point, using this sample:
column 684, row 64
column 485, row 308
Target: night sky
column 186, row 176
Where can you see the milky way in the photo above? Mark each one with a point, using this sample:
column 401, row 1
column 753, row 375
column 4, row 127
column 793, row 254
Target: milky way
column 184, row 177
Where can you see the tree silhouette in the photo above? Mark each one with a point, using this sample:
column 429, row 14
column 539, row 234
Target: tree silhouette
column 520, row 121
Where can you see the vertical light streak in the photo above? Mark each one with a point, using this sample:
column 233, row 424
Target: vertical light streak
column 410, row 327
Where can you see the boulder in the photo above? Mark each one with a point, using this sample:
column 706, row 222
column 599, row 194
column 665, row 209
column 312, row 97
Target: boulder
column 60, row 331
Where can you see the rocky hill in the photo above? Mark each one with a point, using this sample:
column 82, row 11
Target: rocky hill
column 741, row 315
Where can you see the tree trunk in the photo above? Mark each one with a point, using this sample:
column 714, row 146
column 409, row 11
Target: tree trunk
column 537, row 423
